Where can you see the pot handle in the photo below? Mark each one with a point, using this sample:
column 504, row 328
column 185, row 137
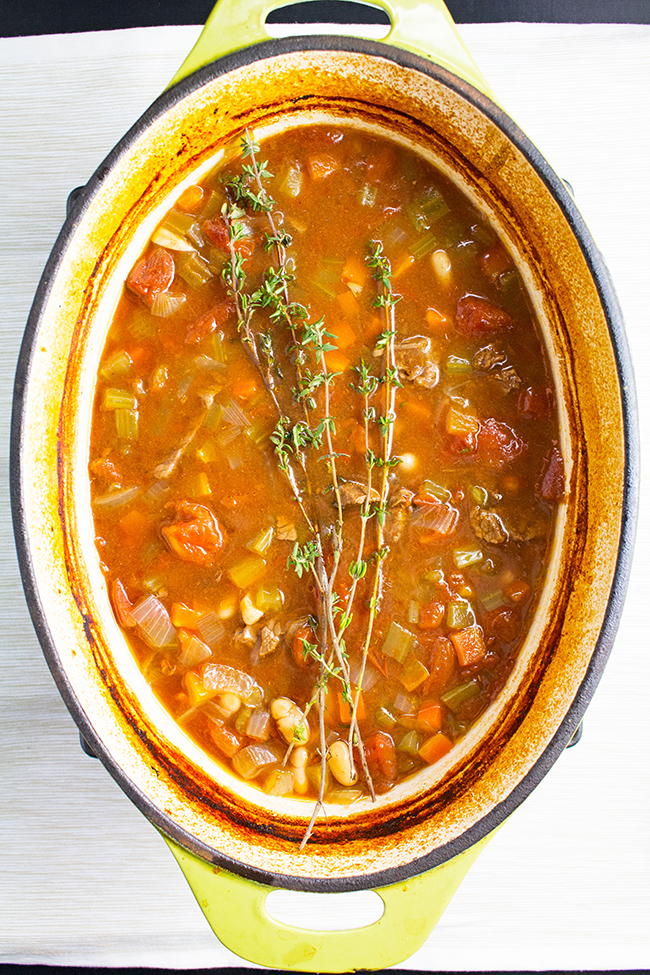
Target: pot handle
column 235, row 909
column 424, row 28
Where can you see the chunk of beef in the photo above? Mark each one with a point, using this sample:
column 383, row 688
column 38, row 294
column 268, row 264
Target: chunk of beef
column 354, row 493
column 487, row 526
column 416, row 362
column 269, row 641
column 489, row 357
column 507, row 378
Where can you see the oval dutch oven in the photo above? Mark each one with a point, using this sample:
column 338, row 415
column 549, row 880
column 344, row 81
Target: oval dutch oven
column 233, row 842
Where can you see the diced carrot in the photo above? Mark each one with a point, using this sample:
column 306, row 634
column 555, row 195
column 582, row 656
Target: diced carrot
column 416, row 407
column 190, row 198
column 375, row 326
column 460, row 424
column 402, row 264
column 429, row 716
column 435, row 319
column 343, row 334
column 197, row 692
column 468, row 644
column 244, row 388
column 435, row 748
column 322, row 164
column 122, row 604
column 348, row 303
column 183, row 615
column 336, row 361
column 345, row 713
column 137, row 354
column 135, row 524
column 357, row 439
column 355, row 271
column 431, row 615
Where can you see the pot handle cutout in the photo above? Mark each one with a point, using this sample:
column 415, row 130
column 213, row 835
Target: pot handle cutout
column 235, row 909
column 424, row 28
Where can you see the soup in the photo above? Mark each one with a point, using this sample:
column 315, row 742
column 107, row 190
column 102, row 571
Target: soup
column 324, row 463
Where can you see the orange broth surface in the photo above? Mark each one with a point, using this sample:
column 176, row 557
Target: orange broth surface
column 341, row 676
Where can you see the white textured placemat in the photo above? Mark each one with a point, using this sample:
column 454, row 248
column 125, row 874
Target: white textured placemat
column 84, row 879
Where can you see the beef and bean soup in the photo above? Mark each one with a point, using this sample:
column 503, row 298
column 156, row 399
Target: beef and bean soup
column 324, row 463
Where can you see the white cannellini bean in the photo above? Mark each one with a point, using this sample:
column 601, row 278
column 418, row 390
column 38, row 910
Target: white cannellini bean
column 441, row 266
column 299, row 757
column 290, row 721
column 341, row 764
column 300, row 781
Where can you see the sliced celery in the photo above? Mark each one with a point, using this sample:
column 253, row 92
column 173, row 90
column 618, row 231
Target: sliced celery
column 248, row 571
column 119, row 399
column 458, row 695
column 262, row 541
column 413, row 614
column 409, row 744
column 269, row 599
column 119, row 364
column 195, row 270
column 292, row 180
column 493, row 600
column 398, row 643
column 436, row 491
column 414, row 674
column 459, row 614
column 479, row 495
column 126, row 424
column 385, row 718
column 466, row 556
column 455, row 364
column 424, row 245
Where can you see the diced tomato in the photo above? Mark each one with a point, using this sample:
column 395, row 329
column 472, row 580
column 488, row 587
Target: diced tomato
column 533, row 402
column 322, row 164
column 227, row 741
column 517, row 592
column 503, row 623
column 497, row 444
column 153, row 275
column 442, row 667
column 216, row 230
column 476, row 317
column 122, row 604
column 435, row 748
column 551, row 483
column 196, row 535
column 462, row 445
column 380, row 755
column 380, row 164
column 495, row 261
column 209, row 322
column 431, row 615
column 469, row 645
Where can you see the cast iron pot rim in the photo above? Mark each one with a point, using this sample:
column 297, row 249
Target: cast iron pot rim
column 79, row 201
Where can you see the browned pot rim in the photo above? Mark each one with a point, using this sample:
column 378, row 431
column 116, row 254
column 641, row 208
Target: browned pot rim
column 594, row 261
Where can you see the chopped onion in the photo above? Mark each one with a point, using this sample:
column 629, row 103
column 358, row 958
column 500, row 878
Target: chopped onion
column 234, row 414
column 113, row 499
column 222, row 678
column 194, row 652
column 174, row 242
column 440, row 518
column 153, row 622
column 165, row 304
column 259, row 725
column 250, row 761
column 370, row 676
column 211, row 629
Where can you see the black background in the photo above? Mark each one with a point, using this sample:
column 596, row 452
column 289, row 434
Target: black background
column 23, row 17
